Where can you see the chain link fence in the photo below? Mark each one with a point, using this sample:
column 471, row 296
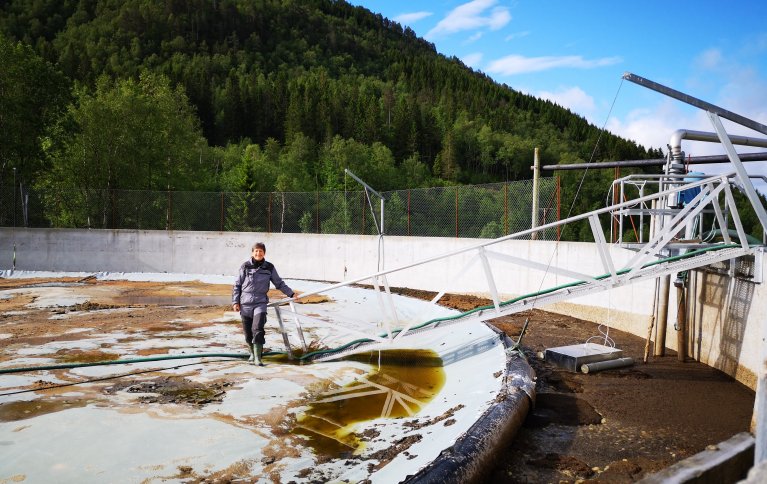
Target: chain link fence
column 471, row 211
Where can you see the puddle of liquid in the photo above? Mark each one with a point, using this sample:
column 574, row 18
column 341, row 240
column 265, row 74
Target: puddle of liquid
column 53, row 284
column 391, row 390
column 13, row 411
column 173, row 300
column 87, row 357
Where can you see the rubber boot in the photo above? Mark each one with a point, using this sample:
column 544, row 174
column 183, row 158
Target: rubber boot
column 251, row 359
column 259, row 349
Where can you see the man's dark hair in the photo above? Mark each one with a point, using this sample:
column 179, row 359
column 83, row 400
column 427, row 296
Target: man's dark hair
column 258, row 245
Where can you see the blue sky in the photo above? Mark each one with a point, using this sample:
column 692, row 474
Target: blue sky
column 574, row 53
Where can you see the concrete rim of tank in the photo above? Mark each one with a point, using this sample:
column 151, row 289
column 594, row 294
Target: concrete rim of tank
column 470, row 458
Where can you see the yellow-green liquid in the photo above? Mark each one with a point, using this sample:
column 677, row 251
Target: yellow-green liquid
column 405, row 381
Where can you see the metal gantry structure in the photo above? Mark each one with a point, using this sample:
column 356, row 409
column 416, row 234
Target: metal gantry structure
column 671, row 210
column 663, row 252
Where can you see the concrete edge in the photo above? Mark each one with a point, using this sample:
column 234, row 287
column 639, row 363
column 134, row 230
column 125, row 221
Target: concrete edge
column 473, row 454
column 728, row 461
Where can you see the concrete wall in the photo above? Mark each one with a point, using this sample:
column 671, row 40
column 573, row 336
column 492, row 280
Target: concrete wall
column 726, row 313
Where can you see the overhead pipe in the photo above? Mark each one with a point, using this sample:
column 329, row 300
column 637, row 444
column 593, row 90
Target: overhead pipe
column 693, row 160
column 675, row 143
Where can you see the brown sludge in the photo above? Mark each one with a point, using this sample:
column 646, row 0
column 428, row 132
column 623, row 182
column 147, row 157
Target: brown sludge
column 613, row 426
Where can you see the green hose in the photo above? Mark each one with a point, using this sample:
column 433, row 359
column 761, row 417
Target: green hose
column 122, row 362
column 516, row 299
column 313, row 354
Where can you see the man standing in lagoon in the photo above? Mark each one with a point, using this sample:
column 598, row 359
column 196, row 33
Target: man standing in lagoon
column 249, row 297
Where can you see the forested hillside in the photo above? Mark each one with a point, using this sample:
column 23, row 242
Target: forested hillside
column 259, row 95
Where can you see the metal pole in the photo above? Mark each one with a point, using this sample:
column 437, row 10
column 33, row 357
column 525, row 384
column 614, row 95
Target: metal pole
column 660, row 335
column 380, row 237
column 408, row 212
column 506, row 208
column 536, row 181
column 379, row 225
column 559, row 208
column 13, row 268
column 382, row 216
column 681, row 323
column 615, row 228
column 740, row 170
column 686, row 98
column 456, row 211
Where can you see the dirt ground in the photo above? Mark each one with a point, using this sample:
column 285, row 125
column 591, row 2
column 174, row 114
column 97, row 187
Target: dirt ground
column 612, row 426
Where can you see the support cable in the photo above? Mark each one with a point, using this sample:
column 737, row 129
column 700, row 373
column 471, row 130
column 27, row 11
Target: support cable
column 575, row 198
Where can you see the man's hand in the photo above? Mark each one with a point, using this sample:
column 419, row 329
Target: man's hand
column 236, row 307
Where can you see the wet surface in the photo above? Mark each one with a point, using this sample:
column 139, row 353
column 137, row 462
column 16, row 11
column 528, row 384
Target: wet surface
column 690, row 405
column 218, row 420
column 15, row 411
column 399, row 387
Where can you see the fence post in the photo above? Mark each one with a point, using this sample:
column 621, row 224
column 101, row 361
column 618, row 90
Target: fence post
column 456, row 211
column 318, row 211
column 506, row 208
column 170, row 211
column 559, row 208
column 269, row 215
column 408, row 212
column 222, row 212
column 363, row 214
column 536, row 183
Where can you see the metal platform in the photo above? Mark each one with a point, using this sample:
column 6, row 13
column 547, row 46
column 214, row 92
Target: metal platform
column 573, row 356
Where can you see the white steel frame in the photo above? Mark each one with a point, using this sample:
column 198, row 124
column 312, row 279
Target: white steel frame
column 637, row 269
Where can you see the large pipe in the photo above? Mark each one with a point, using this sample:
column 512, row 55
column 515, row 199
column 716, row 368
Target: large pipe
column 681, row 322
column 660, row 333
column 607, row 365
column 694, row 160
column 677, row 161
column 676, row 139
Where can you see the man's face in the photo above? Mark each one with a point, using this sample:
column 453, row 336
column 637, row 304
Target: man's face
column 259, row 253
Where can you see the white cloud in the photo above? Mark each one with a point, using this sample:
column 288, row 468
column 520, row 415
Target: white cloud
column 710, row 59
column 573, row 98
column 499, row 18
column 517, row 35
column 517, row 64
column 409, row 18
column 652, row 127
column 470, row 16
column 472, row 60
column 473, row 38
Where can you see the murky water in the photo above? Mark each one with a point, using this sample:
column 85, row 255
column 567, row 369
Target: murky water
column 399, row 387
column 21, row 410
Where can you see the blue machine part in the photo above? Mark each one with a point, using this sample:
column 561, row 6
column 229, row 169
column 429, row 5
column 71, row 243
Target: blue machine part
column 686, row 196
